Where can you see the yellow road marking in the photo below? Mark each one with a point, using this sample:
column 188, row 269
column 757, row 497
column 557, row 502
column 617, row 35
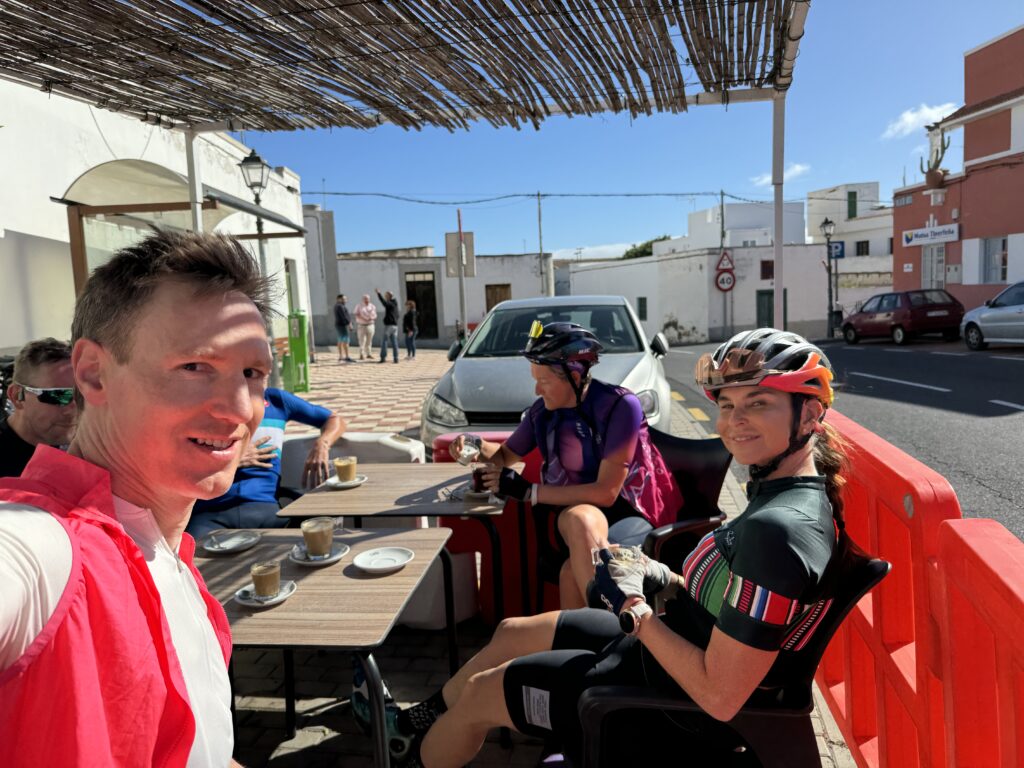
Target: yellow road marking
column 698, row 414
column 677, row 397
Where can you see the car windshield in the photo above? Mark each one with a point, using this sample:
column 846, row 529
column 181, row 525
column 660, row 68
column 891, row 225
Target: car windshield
column 504, row 333
column 924, row 298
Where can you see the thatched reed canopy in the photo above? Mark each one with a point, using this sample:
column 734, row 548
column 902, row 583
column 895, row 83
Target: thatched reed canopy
column 288, row 64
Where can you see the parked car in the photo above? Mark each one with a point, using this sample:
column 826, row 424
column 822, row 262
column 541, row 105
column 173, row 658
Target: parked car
column 904, row 315
column 1000, row 319
column 489, row 386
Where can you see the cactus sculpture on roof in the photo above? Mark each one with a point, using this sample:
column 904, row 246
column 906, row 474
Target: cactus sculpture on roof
column 933, row 175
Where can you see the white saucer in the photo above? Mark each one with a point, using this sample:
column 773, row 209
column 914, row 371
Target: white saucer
column 226, row 540
column 383, row 559
column 299, row 556
column 469, row 495
column 246, row 597
column 334, row 484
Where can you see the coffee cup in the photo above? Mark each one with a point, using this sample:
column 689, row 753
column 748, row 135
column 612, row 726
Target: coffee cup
column 345, row 468
column 266, row 580
column 318, row 534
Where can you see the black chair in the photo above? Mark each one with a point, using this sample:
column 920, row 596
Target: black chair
column 773, row 730
column 699, row 467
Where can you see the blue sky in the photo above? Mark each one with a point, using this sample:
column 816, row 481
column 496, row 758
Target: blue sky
column 870, row 73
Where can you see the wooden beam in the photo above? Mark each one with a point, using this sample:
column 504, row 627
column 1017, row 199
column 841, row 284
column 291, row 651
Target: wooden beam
column 267, row 236
column 76, row 239
column 103, row 210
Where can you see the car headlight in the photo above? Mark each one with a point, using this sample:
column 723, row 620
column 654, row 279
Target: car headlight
column 648, row 401
column 443, row 412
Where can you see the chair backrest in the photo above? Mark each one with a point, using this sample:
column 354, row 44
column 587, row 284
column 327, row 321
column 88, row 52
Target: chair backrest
column 699, row 467
column 851, row 574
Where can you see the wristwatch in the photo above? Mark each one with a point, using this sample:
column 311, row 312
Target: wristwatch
column 629, row 619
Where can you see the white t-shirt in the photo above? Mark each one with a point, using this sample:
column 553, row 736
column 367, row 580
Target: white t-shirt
column 35, row 563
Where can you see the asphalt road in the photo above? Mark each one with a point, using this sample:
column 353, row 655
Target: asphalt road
column 959, row 412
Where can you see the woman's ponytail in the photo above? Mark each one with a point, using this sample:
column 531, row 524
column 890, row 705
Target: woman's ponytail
column 830, row 457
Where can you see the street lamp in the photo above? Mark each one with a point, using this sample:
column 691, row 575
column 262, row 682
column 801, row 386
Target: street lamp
column 828, row 228
column 256, row 174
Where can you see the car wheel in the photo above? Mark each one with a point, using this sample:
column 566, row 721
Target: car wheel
column 951, row 334
column 974, row 338
column 850, row 334
column 899, row 335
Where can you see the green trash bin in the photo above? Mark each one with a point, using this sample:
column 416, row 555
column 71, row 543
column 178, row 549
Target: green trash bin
column 297, row 360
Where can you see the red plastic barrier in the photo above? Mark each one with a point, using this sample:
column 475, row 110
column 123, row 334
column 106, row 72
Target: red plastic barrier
column 981, row 622
column 469, row 536
column 882, row 674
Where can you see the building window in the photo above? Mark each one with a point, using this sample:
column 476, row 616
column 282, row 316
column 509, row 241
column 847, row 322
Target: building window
column 993, row 254
column 749, row 243
column 419, row 277
column 890, row 246
column 851, row 204
column 899, row 202
column 641, row 307
column 768, row 270
column 863, row 247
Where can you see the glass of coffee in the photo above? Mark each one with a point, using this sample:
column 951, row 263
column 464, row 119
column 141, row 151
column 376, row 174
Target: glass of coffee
column 318, row 534
column 345, row 468
column 477, row 483
column 266, row 580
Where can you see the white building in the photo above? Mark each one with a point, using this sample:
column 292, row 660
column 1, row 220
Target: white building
column 746, row 224
column 417, row 274
column 58, row 152
column 676, row 293
column 864, row 227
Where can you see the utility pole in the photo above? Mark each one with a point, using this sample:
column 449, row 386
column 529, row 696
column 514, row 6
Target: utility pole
column 547, row 281
column 462, row 273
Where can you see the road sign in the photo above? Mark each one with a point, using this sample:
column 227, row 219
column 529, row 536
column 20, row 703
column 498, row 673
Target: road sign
column 451, row 252
column 725, row 280
column 838, row 249
column 725, row 262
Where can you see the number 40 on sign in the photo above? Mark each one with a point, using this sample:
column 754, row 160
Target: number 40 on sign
column 725, row 280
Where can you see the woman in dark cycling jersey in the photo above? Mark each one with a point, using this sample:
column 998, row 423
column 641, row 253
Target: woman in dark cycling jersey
column 601, row 475
column 751, row 593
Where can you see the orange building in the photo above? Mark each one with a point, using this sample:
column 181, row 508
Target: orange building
column 965, row 231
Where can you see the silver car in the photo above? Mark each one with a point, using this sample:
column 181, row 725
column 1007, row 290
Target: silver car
column 489, row 386
column 1000, row 320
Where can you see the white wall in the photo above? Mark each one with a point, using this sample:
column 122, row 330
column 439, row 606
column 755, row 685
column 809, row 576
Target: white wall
column 682, row 299
column 357, row 276
column 743, row 222
column 48, row 142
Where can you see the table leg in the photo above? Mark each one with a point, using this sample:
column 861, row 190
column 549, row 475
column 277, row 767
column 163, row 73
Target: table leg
column 449, row 612
column 524, row 557
column 289, row 692
column 357, row 522
column 378, row 717
column 497, row 567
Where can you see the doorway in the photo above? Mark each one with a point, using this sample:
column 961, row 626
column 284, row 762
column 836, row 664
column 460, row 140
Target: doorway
column 495, row 294
column 419, row 287
column 933, row 266
column 766, row 308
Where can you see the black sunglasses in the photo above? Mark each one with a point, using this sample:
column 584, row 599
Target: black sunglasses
column 51, row 395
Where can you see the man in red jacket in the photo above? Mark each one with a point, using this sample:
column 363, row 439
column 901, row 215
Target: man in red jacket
column 112, row 651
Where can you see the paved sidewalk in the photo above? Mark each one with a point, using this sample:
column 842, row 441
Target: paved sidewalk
column 387, row 398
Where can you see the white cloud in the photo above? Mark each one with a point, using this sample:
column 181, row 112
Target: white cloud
column 794, row 170
column 912, row 120
column 920, row 150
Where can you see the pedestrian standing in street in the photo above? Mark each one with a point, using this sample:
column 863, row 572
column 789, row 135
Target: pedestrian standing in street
column 410, row 329
column 366, row 316
column 390, row 304
column 342, row 323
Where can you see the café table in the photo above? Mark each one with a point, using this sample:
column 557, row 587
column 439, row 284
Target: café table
column 335, row 607
column 408, row 490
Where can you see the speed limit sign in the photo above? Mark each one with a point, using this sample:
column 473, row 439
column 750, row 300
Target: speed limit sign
column 725, row 280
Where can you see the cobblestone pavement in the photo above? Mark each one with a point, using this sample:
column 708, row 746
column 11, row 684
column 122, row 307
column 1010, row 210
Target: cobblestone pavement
column 387, row 397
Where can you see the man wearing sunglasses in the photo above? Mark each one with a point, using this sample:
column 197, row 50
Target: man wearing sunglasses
column 42, row 394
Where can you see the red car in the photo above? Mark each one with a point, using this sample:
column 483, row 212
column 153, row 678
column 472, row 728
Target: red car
column 906, row 314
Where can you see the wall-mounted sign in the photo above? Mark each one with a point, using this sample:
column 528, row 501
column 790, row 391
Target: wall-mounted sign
column 725, row 280
column 944, row 233
column 908, row 267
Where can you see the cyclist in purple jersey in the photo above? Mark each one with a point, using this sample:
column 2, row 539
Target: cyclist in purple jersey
column 605, row 480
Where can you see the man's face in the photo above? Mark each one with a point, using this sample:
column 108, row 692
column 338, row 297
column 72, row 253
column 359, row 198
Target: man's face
column 39, row 422
column 176, row 416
